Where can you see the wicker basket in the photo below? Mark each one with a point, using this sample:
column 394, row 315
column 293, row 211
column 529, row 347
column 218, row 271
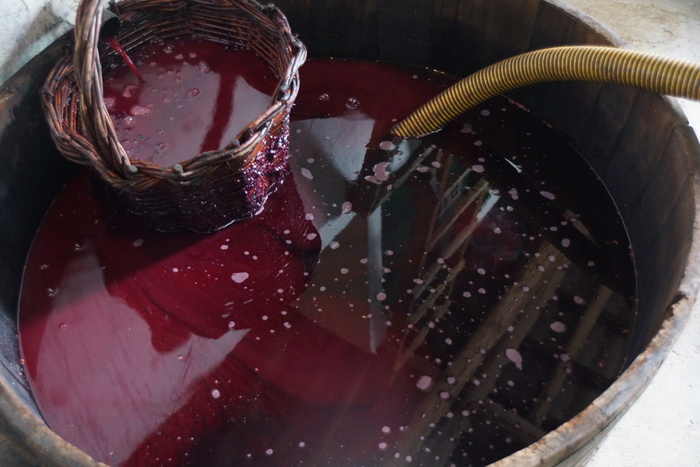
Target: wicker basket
column 211, row 189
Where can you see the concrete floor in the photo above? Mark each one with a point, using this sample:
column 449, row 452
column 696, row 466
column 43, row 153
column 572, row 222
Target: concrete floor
column 663, row 426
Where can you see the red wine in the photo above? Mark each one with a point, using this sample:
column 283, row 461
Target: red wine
column 196, row 96
column 116, row 46
column 395, row 301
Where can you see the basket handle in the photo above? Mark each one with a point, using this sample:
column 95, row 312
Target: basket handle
column 94, row 115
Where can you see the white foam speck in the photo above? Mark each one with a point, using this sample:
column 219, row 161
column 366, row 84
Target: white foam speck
column 239, row 277
column 424, row 382
column 558, row 326
column 386, row 146
column 515, row 357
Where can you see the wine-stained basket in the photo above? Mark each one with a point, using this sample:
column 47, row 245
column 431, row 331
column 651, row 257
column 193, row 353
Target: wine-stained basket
column 211, row 189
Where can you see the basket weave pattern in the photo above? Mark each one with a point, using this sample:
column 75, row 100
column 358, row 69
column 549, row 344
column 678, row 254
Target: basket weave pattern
column 209, row 190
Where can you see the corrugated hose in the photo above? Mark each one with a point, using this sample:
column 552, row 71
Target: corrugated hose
column 566, row 63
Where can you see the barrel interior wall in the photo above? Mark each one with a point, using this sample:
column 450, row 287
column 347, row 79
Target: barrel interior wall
column 31, row 173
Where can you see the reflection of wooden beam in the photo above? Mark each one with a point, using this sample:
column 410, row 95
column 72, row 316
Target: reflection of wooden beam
column 522, row 430
column 579, row 338
column 443, row 290
column 474, row 193
column 463, row 235
column 530, row 432
column 521, row 328
column 439, row 192
column 375, row 279
column 527, row 296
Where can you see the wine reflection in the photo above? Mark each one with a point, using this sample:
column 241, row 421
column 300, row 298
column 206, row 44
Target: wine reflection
column 443, row 301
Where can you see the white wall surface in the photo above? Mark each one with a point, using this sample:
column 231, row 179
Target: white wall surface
column 28, row 26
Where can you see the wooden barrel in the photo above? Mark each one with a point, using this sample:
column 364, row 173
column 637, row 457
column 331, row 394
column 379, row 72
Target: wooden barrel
column 638, row 142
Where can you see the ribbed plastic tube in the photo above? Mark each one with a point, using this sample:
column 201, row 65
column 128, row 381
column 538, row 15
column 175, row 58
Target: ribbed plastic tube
column 567, row 63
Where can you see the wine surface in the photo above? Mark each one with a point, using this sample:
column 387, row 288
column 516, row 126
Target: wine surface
column 444, row 301
column 196, row 96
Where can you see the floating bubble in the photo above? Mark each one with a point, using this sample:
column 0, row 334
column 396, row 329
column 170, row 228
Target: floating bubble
column 204, row 67
column 128, row 90
column 352, row 103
